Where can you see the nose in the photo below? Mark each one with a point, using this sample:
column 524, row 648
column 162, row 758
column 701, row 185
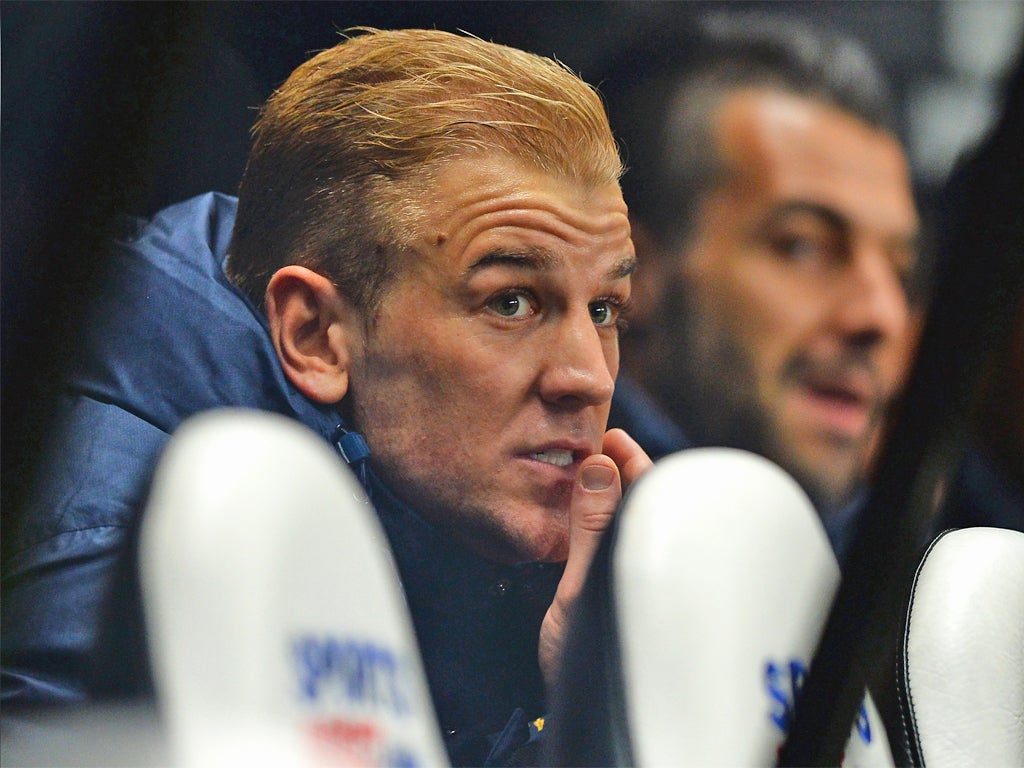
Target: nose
column 579, row 364
column 872, row 305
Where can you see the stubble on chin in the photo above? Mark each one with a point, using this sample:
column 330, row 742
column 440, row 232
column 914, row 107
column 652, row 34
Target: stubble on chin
column 510, row 539
column 709, row 386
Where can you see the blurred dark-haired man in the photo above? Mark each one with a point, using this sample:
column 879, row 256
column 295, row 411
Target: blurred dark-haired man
column 773, row 213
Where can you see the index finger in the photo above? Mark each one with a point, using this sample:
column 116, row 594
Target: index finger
column 627, row 454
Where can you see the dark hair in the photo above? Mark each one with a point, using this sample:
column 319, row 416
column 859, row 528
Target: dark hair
column 338, row 148
column 662, row 92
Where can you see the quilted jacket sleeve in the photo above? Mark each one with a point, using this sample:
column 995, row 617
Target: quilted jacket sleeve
column 56, row 585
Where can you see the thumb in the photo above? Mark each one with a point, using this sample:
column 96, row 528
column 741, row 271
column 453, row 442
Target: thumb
column 595, row 498
column 594, row 501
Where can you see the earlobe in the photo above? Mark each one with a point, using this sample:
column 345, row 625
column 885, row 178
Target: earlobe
column 311, row 328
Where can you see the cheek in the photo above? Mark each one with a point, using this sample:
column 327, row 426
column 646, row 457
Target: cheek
column 894, row 363
column 761, row 323
column 448, row 382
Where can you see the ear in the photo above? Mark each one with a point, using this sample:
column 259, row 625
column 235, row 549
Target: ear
column 312, row 327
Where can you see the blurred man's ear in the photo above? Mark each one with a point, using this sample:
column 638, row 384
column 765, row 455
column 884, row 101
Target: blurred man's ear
column 312, row 327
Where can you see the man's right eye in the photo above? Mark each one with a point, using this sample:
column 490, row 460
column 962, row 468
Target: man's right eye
column 797, row 247
column 512, row 304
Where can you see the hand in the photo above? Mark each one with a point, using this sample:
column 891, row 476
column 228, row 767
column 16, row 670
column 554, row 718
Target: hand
column 596, row 496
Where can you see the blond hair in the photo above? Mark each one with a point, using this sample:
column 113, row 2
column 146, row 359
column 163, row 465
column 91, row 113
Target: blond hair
column 329, row 182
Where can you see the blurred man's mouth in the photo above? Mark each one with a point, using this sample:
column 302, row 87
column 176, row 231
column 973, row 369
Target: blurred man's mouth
column 837, row 410
column 842, row 403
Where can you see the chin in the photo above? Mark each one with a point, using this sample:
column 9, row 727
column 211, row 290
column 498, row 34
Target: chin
column 548, row 542
column 520, row 536
column 543, row 549
column 826, row 494
column 830, row 484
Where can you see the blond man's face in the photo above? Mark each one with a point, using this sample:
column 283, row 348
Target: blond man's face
column 489, row 372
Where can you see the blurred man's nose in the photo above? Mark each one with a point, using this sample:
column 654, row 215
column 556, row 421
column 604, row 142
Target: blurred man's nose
column 871, row 301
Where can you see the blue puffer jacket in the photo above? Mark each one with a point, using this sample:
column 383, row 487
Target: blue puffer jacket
column 170, row 337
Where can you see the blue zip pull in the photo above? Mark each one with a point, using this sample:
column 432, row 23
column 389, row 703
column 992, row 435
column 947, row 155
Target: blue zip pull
column 354, row 450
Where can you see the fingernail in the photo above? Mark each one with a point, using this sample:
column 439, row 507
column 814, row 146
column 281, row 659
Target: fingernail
column 597, row 477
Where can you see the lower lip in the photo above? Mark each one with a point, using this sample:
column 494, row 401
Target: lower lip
column 839, row 415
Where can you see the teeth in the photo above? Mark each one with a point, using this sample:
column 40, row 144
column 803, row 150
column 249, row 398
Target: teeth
column 558, row 457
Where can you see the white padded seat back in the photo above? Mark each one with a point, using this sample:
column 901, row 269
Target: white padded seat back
column 278, row 629
column 723, row 579
column 963, row 662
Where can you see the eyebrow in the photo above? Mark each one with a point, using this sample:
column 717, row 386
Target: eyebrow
column 832, row 218
column 541, row 259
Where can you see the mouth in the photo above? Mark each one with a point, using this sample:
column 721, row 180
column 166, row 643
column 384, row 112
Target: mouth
column 562, row 454
column 549, row 470
column 558, row 457
column 843, row 406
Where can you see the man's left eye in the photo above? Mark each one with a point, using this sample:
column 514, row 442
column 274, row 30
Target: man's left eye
column 515, row 304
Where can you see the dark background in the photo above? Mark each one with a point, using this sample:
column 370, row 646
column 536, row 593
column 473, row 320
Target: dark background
column 126, row 107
